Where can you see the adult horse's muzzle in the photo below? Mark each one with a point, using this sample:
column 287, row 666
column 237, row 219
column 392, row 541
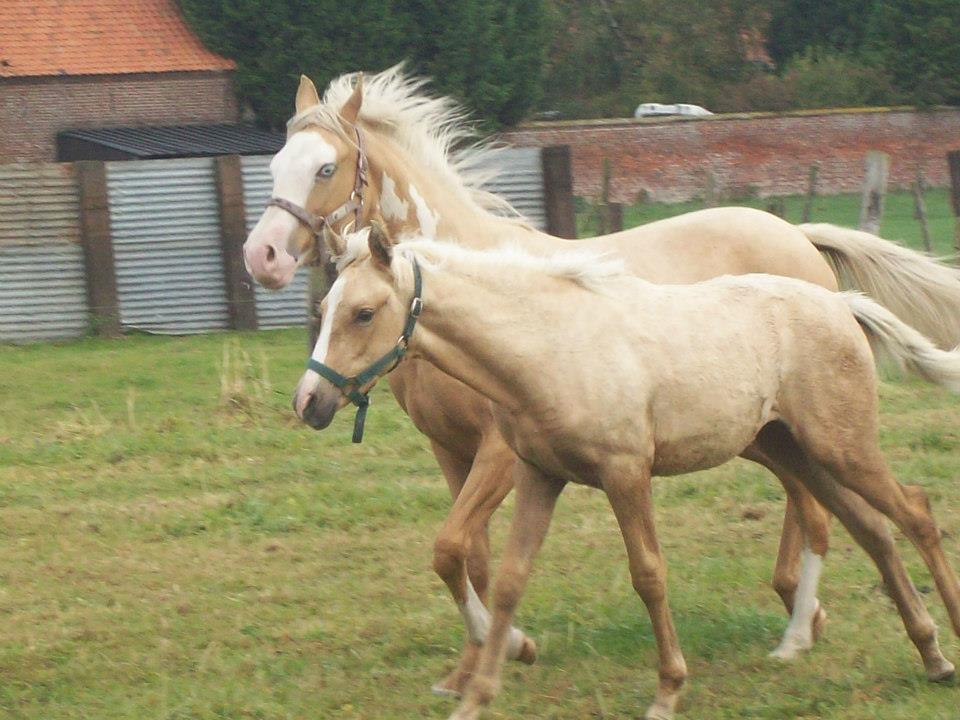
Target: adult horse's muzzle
column 316, row 406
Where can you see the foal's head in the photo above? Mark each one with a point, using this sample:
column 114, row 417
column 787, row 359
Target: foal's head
column 362, row 315
column 315, row 170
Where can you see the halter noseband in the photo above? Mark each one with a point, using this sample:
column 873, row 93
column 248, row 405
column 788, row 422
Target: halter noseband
column 350, row 386
column 354, row 204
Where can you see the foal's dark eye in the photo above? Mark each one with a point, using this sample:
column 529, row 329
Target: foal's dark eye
column 326, row 171
column 364, row 316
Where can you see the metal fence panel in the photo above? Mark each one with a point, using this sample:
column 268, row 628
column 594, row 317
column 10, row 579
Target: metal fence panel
column 166, row 243
column 520, row 181
column 43, row 293
column 275, row 308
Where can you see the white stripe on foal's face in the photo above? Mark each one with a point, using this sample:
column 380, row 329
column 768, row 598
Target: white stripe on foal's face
column 310, row 379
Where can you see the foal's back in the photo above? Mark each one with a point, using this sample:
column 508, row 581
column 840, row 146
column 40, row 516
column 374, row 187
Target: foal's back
column 688, row 374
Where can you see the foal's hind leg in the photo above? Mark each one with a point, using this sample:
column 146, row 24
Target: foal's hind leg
column 536, row 498
column 462, row 551
column 870, row 530
column 803, row 546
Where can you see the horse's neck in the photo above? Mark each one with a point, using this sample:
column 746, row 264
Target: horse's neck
column 476, row 328
column 412, row 197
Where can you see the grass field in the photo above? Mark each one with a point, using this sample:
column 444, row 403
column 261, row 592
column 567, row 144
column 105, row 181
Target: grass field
column 177, row 546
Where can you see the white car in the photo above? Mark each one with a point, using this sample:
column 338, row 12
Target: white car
column 654, row 109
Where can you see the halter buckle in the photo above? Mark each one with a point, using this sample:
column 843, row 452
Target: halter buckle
column 416, row 307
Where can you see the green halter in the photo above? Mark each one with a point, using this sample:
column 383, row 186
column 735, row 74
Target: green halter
column 350, row 386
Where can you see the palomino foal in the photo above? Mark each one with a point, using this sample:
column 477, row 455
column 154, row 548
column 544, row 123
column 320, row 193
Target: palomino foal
column 602, row 379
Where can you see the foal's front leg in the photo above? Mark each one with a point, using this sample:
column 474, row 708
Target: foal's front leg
column 461, row 550
column 536, row 498
column 632, row 503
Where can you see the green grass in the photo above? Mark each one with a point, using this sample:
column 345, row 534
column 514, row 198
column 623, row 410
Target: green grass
column 172, row 551
column 179, row 547
column 898, row 220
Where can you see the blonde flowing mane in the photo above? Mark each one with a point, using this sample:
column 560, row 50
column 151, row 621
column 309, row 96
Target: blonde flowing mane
column 588, row 269
column 435, row 130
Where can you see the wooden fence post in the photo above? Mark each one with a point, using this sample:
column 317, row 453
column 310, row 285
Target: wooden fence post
column 874, row 191
column 811, row 192
column 558, row 191
column 953, row 160
column 97, row 244
column 241, row 298
column 920, row 209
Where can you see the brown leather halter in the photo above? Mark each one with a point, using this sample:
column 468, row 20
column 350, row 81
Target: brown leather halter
column 354, row 203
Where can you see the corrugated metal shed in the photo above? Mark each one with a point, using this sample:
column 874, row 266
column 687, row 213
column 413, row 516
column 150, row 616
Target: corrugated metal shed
column 143, row 143
column 42, row 286
column 166, row 244
column 520, row 180
column 275, row 308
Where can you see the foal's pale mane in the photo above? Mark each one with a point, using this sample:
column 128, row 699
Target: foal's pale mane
column 433, row 129
column 590, row 270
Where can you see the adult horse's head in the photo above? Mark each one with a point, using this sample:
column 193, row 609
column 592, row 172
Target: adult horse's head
column 364, row 314
column 318, row 180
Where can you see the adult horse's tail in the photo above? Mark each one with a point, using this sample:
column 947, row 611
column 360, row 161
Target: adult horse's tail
column 916, row 287
column 908, row 348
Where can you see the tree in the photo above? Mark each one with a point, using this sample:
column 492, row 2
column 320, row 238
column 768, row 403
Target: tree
column 796, row 25
column 487, row 53
column 917, row 43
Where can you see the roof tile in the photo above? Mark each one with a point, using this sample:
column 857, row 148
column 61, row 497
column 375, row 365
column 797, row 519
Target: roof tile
column 98, row 37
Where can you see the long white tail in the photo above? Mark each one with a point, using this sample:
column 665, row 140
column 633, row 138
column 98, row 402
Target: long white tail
column 893, row 338
column 916, row 287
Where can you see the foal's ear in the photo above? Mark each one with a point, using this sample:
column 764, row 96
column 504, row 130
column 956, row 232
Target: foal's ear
column 351, row 108
column 335, row 243
column 381, row 248
column 307, row 95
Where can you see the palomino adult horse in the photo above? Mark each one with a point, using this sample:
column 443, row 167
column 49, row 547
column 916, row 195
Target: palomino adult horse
column 600, row 378
column 407, row 174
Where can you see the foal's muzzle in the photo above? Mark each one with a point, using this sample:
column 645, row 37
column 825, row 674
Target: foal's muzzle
column 317, row 409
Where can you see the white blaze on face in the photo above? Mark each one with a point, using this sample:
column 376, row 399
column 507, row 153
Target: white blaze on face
column 295, row 167
column 426, row 218
column 391, row 205
column 308, row 382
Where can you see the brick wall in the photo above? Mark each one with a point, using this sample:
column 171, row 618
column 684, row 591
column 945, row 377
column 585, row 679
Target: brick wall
column 766, row 154
column 34, row 110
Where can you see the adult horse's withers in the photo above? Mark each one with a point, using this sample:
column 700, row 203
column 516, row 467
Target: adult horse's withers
column 407, row 175
column 599, row 378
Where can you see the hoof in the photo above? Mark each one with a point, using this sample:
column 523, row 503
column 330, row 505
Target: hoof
column 658, row 712
column 528, row 653
column 943, row 673
column 819, row 621
column 441, row 690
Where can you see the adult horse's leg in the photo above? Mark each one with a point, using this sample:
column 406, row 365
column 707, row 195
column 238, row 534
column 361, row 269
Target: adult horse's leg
column 536, row 499
column 803, row 546
column 869, row 529
column 632, row 503
column 462, row 550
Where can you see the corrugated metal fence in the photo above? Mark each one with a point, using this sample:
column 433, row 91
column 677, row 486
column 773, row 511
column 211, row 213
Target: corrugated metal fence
column 42, row 286
column 168, row 256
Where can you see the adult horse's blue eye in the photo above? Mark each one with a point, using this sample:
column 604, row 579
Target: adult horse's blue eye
column 327, row 170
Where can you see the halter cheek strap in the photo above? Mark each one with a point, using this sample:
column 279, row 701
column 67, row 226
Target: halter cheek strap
column 350, row 386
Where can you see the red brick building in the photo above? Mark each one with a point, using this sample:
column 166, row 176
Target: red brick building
column 102, row 63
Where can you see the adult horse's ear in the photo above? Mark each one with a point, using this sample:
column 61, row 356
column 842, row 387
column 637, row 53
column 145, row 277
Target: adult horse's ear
column 335, row 243
column 381, row 248
column 351, row 108
column 307, row 95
